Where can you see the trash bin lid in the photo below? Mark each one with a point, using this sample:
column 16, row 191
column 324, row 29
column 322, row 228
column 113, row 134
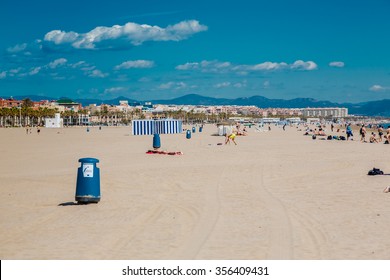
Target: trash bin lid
column 89, row 160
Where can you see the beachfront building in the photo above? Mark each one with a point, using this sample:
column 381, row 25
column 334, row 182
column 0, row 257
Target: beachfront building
column 269, row 120
column 325, row 112
column 9, row 103
column 56, row 122
column 293, row 120
column 313, row 120
column 68, row 105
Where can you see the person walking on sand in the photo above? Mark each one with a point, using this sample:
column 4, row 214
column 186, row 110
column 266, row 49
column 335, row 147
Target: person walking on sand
column 229, row 137
column 349, row 132
column 363, row 132
column 380, row 133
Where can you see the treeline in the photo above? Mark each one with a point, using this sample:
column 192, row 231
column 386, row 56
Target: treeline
column 25, row 115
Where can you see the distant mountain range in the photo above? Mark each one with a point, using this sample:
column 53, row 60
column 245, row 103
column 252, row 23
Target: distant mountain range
column 372, row 108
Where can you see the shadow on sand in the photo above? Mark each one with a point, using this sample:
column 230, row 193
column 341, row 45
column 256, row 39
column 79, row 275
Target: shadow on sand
column 69, row 204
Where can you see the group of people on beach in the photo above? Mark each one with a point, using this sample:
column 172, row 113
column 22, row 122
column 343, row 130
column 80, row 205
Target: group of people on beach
column 373, row 137
column 237, row 131
column 29, row 129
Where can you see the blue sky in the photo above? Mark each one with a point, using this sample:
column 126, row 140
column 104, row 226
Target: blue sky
column 328, row 50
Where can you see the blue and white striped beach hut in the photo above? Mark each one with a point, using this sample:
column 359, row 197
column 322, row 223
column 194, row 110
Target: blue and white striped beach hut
column 150, row 127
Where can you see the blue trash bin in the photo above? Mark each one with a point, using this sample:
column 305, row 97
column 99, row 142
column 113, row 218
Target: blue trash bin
column 88, row 181
column 193, row 129
column 188, row 134
column 200, row 128
column 156, row 141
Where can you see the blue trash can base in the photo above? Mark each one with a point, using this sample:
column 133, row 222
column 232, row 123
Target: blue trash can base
column 87, row 199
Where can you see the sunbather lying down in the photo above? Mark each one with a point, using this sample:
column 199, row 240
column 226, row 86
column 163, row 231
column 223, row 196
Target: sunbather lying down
column 163, row 152
column 321, row 133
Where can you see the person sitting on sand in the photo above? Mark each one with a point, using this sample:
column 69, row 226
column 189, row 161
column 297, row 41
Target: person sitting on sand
column 229, row 137
column 243, row 133
column 372, row 138
column 321, row 132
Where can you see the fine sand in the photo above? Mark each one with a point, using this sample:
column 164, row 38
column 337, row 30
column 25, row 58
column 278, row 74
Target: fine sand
column 276, row 195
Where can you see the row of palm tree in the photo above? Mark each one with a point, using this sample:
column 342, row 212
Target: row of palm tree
column 25, row 116
column 195, row 117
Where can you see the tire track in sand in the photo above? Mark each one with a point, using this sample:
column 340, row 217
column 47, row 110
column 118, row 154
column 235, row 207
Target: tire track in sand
column 129, row 232
column 208, row 219
column 296, row 224
column 311, row 234
column 280, row 245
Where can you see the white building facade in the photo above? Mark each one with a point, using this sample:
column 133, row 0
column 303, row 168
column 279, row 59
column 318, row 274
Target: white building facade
column 325, row 112
column 55, row 122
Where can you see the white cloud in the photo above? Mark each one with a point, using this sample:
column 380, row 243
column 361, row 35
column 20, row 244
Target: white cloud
column 206, row 66
column 267, row 66
column 223, row 67
column 16, row 70
column 188, row 66
column 229, row 84
column 56, row 63
column 338, row 64
column 173, row 85
column 17, row 48
column 79, row 64
column 25, row 52
column 166, row 85
column 97, row 74
column 115, row 90
column 57, row 69
column 378, row 88
column 240, row 85
column 135, row 64
column 222, row 85
column 3, row 75
column 119, row 36
column 304, row 65
column 35, row 71
column 266, row 84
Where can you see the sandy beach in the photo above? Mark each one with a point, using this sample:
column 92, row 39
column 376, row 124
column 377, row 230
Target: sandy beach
column 276, row 195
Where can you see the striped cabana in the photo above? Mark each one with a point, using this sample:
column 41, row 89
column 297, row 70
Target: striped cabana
column 150, row 127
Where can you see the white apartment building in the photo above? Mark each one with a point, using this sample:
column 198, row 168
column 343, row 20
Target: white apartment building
column 325, row 112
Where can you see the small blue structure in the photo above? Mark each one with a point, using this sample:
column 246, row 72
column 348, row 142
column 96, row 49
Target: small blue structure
column 193, row 129
column 156, row 141
column 88, row 181
column 200, row 128
column 155, row 128
column 150, row 127
column 188, row 134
